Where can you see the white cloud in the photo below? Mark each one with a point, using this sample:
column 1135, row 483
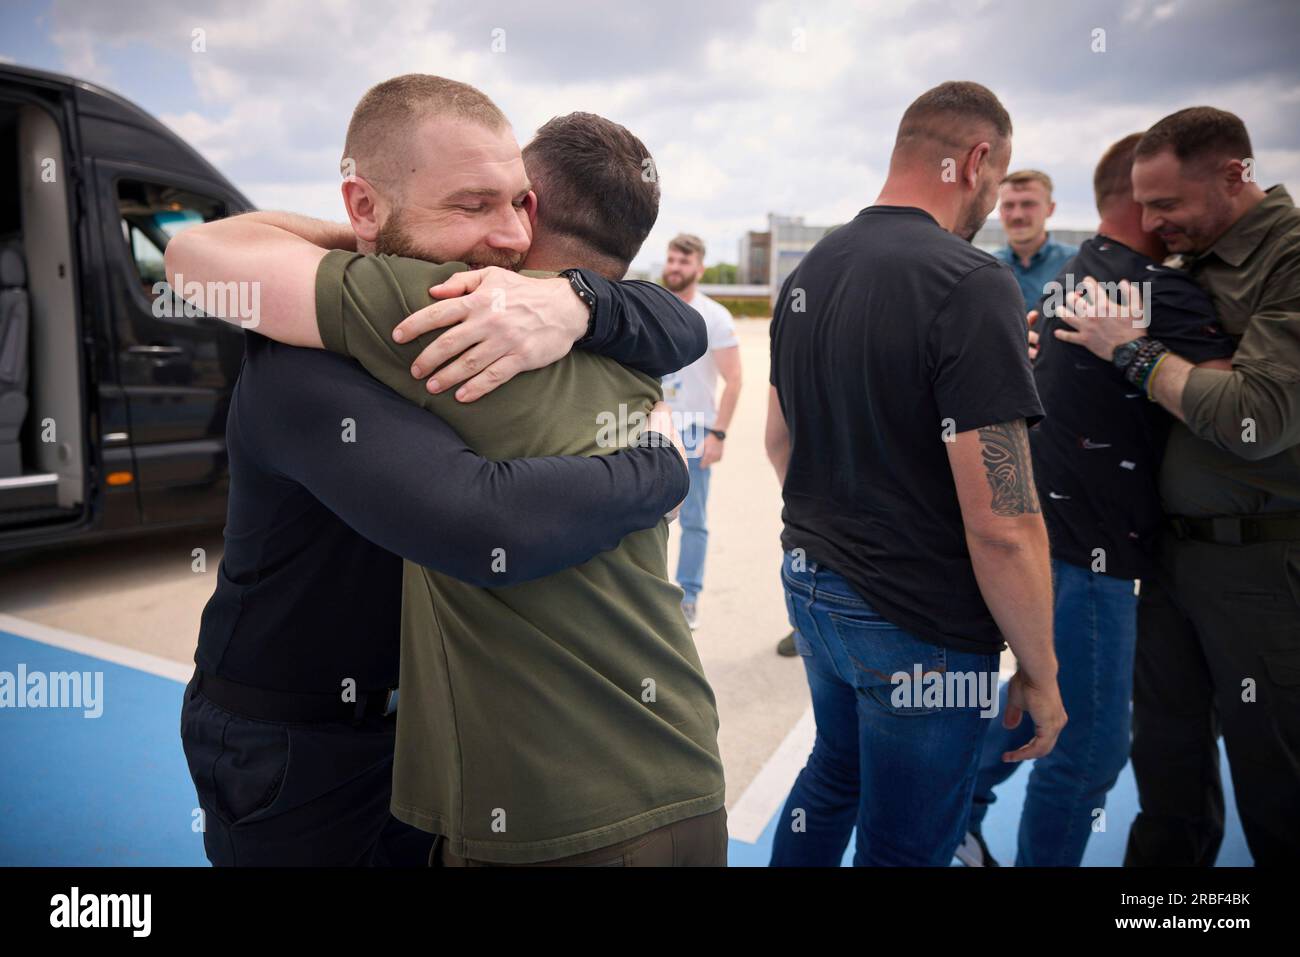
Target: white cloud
column 744, row 115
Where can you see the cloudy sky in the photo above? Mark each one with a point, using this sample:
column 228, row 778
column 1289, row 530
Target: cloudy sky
column 748, row 107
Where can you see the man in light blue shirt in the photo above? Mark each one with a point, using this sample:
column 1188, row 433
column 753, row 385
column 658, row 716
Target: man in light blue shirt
column 1024, row 205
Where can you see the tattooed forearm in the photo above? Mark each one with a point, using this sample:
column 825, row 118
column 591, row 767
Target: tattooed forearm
column 1005, row 450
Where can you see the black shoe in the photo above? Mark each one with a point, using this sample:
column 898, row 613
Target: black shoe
column 785, row 647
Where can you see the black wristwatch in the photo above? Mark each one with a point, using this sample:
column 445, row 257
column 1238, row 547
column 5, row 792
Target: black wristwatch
column 582, row 289
column 717, row 432
column 1124, row 354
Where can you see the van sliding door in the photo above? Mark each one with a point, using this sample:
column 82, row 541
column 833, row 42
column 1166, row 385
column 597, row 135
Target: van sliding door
column 176, row 368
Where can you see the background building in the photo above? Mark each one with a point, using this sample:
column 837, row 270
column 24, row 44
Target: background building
column 769, row 258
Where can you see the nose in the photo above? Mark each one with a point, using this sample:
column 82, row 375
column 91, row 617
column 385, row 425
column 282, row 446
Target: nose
column 509, row 232
column 1151, row 222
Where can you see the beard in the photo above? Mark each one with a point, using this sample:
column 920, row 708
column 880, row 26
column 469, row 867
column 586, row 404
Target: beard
column 970, row 222
column 393, row 239
column 971, row 219
column 1201, row 235
column 676, row 282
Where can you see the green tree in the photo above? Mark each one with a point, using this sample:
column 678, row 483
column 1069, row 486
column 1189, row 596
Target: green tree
column 720, row 274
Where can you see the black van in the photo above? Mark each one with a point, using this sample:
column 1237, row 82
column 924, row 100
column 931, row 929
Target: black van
column 113, row 395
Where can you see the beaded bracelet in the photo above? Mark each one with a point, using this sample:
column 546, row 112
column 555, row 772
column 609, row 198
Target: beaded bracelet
column 1148, row 355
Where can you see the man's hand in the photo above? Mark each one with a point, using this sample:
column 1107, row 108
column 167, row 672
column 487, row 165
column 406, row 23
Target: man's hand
column 1100, row 325
column 710, row 450
column 1032, row 317
column 504, row 324
column 1043, row 702
column 661, row 420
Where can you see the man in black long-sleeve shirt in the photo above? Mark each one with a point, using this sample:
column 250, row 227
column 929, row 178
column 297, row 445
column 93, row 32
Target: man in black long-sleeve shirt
column 298, row 650
column 306, row 599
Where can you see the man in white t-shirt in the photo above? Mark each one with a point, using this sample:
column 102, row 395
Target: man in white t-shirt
column 692, row 395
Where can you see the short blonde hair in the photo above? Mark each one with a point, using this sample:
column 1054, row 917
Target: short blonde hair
column 388, row 112
column 1022, row 176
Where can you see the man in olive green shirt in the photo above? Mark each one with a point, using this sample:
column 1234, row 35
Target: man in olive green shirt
column 566, row 720
column 555, row 717
column 566, row 715
column 1219, row 629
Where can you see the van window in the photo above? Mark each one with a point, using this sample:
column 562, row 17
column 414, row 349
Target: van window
column 151, row 215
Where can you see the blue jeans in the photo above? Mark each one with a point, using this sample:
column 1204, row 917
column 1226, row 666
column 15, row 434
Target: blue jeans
column 901, row 773
column 695, row 532
column 1095, row 620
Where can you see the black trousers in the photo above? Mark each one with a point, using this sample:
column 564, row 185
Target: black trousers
column 279, row 794
column 1218, row 652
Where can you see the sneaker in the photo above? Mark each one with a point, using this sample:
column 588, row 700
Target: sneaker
column 974, row 852
column 785, row 647
column 692, row 615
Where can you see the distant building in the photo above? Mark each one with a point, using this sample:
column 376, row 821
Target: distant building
column 769, row 258
column 755, row 258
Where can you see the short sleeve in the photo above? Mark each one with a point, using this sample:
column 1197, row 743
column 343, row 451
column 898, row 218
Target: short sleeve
column 360, row 299
column 774, row 327
column 978, row 351
column 722, row 328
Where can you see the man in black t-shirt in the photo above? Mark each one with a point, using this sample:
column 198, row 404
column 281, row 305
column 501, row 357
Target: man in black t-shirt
column 1096, row 459
column 914, row 544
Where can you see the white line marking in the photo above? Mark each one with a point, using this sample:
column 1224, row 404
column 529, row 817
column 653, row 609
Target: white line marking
column 106, row 651
column 767, row 792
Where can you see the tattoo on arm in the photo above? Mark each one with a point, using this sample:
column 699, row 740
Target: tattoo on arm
column 1005, row 450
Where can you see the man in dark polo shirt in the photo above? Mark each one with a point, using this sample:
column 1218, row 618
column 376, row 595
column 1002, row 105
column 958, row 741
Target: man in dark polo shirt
column 914, row 544
column 1219, row 625
column 1096, row 460
column 334, row 479
column 566, row 720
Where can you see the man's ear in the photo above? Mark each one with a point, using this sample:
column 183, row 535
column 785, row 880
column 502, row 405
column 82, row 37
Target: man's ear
column 362, row 203
column 1233, row 176
column 1051, row 208
column 975, row 161
column 530, row 204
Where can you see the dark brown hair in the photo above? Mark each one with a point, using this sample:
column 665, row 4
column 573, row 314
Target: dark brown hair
column 1198, row 134
column 933, row 113
column 688, row 243
column 596, row 183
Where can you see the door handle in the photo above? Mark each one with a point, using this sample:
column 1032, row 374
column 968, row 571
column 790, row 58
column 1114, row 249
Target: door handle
column 156, row 350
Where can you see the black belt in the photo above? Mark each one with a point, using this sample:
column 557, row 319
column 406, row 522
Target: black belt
column 1239, row 529
column 294, row 706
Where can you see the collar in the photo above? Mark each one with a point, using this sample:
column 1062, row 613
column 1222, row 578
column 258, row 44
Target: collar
column 1009, row 254
column 1244, row 236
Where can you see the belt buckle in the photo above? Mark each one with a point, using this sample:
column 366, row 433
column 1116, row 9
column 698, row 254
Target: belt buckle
column 377, row 704
column 1226, row 529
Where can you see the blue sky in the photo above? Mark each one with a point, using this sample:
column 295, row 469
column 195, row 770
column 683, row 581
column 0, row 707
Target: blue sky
column 748, row 107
